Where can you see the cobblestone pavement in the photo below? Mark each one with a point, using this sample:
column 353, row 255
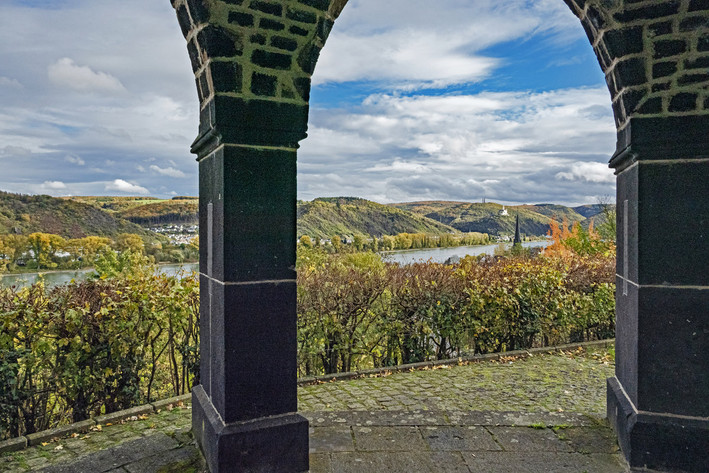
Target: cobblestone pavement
column 537, row 414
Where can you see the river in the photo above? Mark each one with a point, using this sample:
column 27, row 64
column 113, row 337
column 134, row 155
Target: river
column 55, row 278
column 438, row 255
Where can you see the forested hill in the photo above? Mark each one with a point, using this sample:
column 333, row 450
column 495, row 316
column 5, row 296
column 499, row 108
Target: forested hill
column 486, row 218
column 76, row 217
column 164, row 212
column 27, row 214
column 326, row 217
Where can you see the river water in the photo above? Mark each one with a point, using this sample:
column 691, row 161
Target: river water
column 55, row 278
column 438, row 255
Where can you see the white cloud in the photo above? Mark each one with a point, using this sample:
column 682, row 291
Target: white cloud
column 170, row 171
column 412, row 60
column 11, row 83
column 506, row 145
column 54, row 185
column 399, row 165
column 74, row 160
column 66, row 73
column 15, row 152
column 416, row 44
column 126, row 187
column 588, row 172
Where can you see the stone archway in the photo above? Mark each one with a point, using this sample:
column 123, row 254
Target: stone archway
column 253, row 60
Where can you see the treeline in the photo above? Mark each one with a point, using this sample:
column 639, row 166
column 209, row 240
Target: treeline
column 401, row 241
column 48, row 251
column 163, row 212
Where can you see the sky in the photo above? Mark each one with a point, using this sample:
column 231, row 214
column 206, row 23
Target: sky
column 412, row 100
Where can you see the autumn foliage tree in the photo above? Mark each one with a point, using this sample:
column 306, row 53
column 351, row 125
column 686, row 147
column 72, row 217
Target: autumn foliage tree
column 130, row 242
column 566, row 242
column 85, row 250
column 45, row 246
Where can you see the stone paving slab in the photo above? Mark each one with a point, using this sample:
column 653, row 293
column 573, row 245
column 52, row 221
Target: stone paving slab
column 437, row 417
column 138, row 450
column 379, row 429
column 388, row 439
column 543, row 462
column 528, row 439
column 178, row 459
column 459, row 438
column 331, row 439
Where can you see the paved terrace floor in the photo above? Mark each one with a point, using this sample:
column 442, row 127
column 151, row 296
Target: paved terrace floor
column 542, row 413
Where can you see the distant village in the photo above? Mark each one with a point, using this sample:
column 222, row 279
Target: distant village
column 177, row 233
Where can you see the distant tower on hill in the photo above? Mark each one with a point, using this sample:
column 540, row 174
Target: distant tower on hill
column 503, row 212
column 518, row 238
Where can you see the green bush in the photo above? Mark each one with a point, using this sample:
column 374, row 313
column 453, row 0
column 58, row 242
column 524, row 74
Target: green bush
column 87, row 348
column 357, row 314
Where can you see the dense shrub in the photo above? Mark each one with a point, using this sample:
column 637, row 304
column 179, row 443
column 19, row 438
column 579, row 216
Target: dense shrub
column 361, row 313
column 82, row 349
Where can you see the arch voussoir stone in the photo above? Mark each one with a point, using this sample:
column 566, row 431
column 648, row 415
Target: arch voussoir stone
column 253, row 61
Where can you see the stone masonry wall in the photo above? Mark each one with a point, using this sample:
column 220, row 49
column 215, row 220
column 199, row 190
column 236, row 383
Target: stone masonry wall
column 654, row 53
column 264, row 49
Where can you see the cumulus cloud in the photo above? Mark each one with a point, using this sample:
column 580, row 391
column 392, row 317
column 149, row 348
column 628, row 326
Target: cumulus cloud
column 54, row 185
column 126, row 187
column 66, row 73
column 169, row 171
column 512, row 146
column 588, row 172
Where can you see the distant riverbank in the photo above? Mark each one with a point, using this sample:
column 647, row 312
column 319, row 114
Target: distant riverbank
column 441, row 255
column 437, row 255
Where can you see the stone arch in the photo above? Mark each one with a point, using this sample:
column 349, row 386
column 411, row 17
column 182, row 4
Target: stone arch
column 253, row 60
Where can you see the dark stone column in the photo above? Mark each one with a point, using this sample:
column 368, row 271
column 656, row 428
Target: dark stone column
column 658, row 402
column 244, row 412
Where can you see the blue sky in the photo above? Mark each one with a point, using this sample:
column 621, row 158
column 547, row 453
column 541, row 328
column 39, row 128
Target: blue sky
column 412, row 100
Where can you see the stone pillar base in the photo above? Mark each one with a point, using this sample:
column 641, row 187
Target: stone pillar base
column 662, row 442
column 277, row 444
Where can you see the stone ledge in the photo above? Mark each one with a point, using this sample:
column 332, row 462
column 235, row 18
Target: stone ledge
column 13, row 445
column 449, row 362
column 61, row 431
column 162, row 404
column 125, row 414
column 20, row 443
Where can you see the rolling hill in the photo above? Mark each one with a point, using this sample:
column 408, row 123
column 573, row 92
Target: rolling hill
column 486, row 218
column 26, row 214
column 325, row 217
column 322, row 218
